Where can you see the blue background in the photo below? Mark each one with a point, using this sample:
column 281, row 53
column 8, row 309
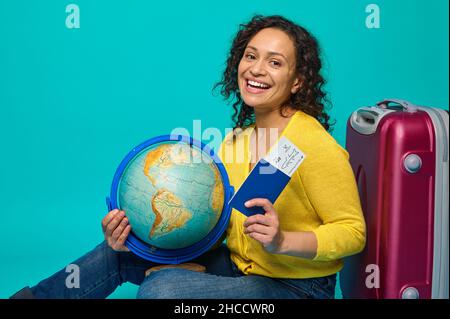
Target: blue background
column 73, row 102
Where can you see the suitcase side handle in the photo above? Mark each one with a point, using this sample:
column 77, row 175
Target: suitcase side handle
column 405, row 105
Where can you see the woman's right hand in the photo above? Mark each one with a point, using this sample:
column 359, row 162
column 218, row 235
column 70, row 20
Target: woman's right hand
column 116, row 229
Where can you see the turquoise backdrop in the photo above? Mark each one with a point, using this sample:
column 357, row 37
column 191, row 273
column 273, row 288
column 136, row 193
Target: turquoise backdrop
column 73, row 102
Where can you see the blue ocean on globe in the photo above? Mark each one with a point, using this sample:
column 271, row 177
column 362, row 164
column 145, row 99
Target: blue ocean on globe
column 172, row 194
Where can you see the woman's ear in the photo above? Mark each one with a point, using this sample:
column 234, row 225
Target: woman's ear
column 297, row 85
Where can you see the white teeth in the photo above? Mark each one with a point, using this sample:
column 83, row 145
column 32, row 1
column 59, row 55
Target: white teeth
column 253, row 83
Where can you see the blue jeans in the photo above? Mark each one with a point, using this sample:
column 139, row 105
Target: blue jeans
column 102, row 270
column 186, row 284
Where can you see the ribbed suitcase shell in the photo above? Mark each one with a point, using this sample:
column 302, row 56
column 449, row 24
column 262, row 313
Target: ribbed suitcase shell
column 399, row 155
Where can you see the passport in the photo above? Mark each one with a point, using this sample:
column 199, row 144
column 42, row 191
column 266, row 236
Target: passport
column 268, row 177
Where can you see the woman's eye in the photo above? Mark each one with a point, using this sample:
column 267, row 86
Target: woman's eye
column 250, row 56
column 275, row 63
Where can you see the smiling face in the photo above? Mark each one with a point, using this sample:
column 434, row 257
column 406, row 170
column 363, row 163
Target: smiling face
column 266, row 72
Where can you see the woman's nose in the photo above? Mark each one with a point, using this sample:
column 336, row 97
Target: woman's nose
column 257, row 68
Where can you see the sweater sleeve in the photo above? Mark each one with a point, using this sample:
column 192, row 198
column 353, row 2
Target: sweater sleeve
column 331, row 188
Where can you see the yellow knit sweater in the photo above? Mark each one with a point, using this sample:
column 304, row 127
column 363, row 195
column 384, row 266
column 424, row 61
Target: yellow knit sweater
column 321, row 197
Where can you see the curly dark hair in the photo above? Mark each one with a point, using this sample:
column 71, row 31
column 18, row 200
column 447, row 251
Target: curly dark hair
column 310, row 99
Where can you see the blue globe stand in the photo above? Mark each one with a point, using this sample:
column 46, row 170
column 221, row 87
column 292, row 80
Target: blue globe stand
column 174, row 256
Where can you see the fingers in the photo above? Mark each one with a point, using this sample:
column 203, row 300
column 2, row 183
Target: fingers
column 264, row 228
column 258, row 228
column 120, row 243
column 257, row 219
column 263, row 239
column 108, row 217
column 116, row 229
column 262, row 202
column 113, row 223
column 119, row 229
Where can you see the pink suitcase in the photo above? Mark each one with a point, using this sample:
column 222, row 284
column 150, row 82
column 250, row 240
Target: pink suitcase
column 399, row 154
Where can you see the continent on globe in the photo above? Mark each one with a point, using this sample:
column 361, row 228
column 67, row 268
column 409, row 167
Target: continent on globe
column 170, row 213
column 217, row 194
column 157, row 156
column 166, row 156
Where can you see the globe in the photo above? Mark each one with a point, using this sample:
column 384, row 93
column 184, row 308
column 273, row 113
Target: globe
column 174, row 193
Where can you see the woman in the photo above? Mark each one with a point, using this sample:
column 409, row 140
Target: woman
column 295, row 248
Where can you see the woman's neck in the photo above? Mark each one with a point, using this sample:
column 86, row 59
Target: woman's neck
column 263, row 136
column 273, row 118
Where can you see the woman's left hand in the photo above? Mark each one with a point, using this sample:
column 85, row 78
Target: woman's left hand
column 264, row 228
